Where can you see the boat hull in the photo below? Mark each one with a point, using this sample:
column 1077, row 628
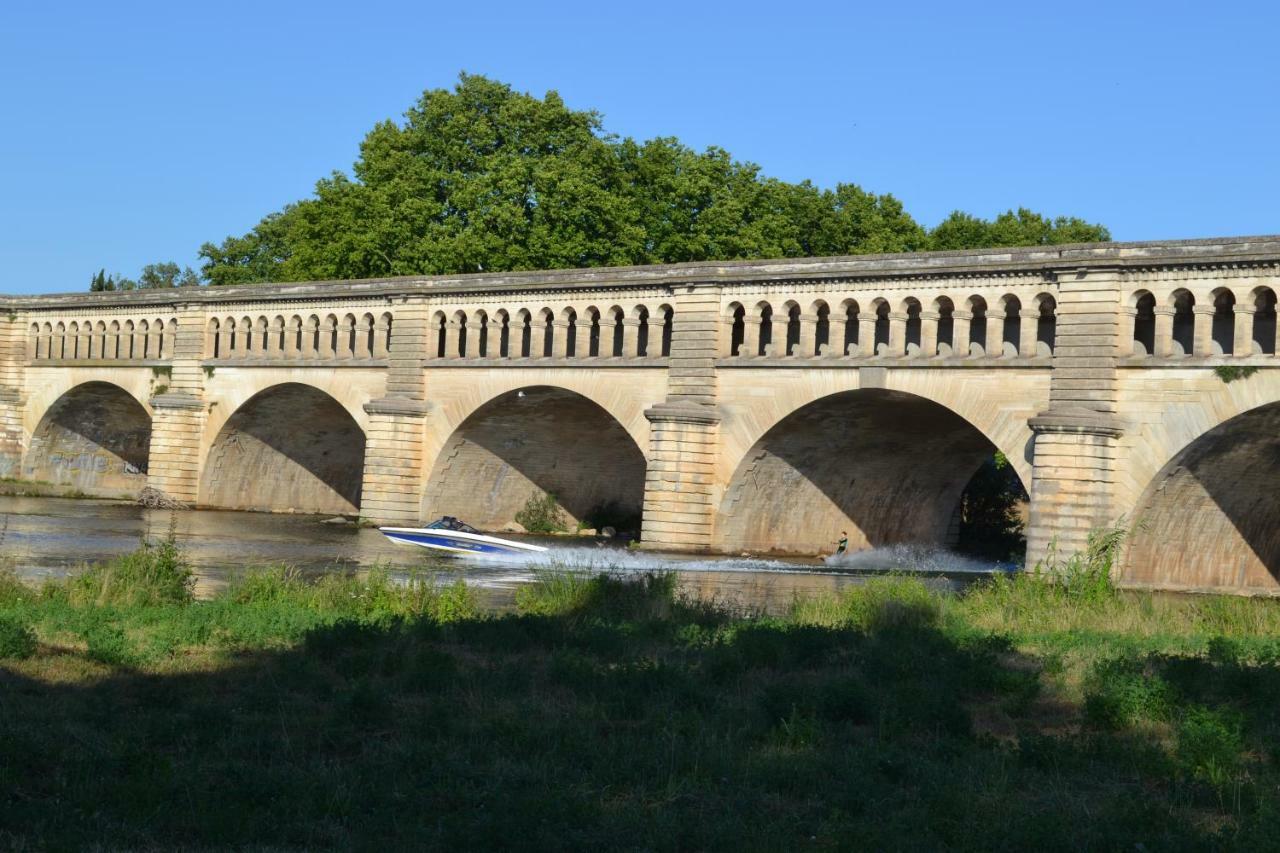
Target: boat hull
column 457, row 542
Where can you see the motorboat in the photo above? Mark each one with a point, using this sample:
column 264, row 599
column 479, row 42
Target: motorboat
column 457, row 537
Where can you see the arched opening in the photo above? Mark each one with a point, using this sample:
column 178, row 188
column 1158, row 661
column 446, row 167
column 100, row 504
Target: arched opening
column 532, row 442
column 882, row 328
column 885, row 466
column 94, row 438
column 1224, row 322
column 290, row 448
column 792, row 346
column 766, row 329
column 1264, row 321
column 1184, row 323
column 977, row 344
column 946, row 325
column 1011, row 331
column 821, row 329
column 1144, row 324
column 1208, row 519
column 1047, row 325
column 914, row 330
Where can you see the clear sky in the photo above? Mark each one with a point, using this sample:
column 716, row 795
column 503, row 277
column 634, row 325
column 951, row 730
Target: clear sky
column 133, row 132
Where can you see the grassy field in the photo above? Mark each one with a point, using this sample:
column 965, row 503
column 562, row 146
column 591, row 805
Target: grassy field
column 614, row 714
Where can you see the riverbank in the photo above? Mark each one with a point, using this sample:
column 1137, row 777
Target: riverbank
column 351, row 711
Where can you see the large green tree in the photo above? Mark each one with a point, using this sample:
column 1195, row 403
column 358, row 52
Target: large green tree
column 482, row 177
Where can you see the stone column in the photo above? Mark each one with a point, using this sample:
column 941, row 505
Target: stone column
column 1164, row 330
column 1202, row 343
column 897, row 333
column 1076, row 438
column 751, row 325
column 680, row 491
column 866, row 334
column 394, row 463
column 174, row 462
column 1028, row 329
column 631, row 337
column 653, row 348
column 582, row 337
column 836, row 331
column 807, row 341
column 1124, row 336
column 778, row 323
column 560, row 338
column 345, row 351
column 451, row 328
column 928, row 334
column 960, row 321
column 995, row 333
column 12, row 334
column 1243, row 343
column 726, row 335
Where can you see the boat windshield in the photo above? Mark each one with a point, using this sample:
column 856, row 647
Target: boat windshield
column 448, row 522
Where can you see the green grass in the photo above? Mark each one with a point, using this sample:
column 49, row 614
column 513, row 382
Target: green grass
column 355, row 711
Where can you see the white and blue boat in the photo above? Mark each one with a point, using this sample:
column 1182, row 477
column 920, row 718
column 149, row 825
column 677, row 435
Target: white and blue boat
column 457, row 537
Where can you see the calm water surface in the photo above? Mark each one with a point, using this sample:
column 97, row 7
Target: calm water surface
column 52, row 537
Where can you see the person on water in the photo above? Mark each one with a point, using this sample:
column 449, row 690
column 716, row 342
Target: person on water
column 842, row 543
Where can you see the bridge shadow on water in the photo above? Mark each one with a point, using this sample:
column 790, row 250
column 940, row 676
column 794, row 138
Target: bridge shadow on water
column 628, row 719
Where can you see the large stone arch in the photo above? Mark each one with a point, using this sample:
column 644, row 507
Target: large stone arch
column 1210, row 518
column 534, row 440
column 95, row 437
column 885, row 465
column 289, row 448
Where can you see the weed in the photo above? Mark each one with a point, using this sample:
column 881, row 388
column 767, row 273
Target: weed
column 154, row 574
column 1229, row 373
column 542, row 514
column 17, row 640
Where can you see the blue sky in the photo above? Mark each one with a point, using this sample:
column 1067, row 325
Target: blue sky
column 133, row 132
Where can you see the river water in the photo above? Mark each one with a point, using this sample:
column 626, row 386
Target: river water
column 52, row 537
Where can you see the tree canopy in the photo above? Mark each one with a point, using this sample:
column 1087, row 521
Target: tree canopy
column 166, row 274
column 486, row 178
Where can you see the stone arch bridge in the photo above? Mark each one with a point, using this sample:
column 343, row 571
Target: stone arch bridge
column 761, row 406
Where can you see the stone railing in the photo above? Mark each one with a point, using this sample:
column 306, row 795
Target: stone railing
column 570, row 333
column 1201, row 322
column 299, row 336
column 131, row 339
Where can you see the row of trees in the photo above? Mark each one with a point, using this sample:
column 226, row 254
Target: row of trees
column 166, row 274
column 482, row 177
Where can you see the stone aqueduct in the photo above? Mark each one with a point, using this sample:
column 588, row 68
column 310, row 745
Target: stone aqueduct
column 759, row 406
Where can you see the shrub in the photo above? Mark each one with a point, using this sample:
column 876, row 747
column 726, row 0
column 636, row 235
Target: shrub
column 1122, row 691
column 542, row 515
column 17, row 640
column 155, row 574
column 1210, row 744
column 108, row 644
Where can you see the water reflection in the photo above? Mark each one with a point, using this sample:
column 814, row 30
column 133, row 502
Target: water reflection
column 50, row 537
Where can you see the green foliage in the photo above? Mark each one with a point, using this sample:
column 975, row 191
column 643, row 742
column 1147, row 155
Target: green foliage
column 1023, row 228
column 161, row 275
column 166, row 275
column 1229, row 373
column 102, row 282
column 484, row 178
column 1085, row 576
column 876, row 605
column 317, row 712
column 155, row 574
column 991, row 513
column 17, row 640
column 542, row 514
